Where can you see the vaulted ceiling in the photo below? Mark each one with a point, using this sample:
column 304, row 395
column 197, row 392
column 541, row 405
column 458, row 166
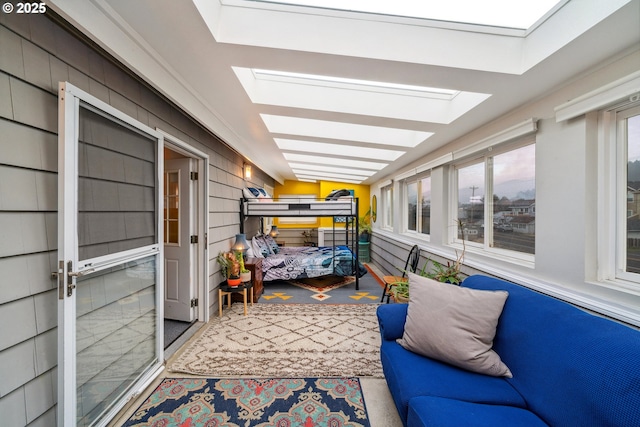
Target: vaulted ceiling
column 311, row 93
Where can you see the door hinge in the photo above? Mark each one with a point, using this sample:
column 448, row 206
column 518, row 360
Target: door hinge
column 194, row 176
column 194, row 238
column 194, row 302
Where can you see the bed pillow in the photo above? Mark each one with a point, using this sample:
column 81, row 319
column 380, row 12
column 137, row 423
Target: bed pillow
column 455, row 325
column 260, row 247
column 255, row 248
column 251, row 194
column 273, row 246
column 264, row 196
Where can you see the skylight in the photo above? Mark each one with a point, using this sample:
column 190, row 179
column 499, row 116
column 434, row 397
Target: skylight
column 369, row 85
column 365, row 97
column 335, row 169
column 336, row 161
column 325, row 175
column 355, row 151
column 519, row 14
column 314, row 178
column 344, row 131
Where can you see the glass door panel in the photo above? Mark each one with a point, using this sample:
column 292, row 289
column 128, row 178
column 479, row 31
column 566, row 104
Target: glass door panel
column 117, row 172
column 116, row 333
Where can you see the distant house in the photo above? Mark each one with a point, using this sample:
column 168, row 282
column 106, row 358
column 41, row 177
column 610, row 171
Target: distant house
column 523, row 207
column 633, row 202
column 523, row 224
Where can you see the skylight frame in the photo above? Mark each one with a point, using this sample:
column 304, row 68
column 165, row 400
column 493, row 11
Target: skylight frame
column 355, row 84
column 310, row 177
column 345, row 150
column 323, row 168
column 325, row 175
column 337, row 161
column 342, row 131
column 413, row 19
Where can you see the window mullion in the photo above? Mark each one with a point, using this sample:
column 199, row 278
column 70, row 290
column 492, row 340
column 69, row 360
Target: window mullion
column 419, row 206
column 488, row 205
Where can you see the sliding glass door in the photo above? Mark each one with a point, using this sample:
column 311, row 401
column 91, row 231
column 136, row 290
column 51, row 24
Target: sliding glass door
column 109, row 255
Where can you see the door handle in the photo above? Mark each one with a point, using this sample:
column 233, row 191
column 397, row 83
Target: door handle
column 81, row 273
column 71, row 274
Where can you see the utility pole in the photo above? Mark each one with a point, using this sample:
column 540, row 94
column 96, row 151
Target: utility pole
column 473, row 193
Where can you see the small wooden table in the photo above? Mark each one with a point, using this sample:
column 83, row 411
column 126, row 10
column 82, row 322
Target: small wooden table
column 226, row 290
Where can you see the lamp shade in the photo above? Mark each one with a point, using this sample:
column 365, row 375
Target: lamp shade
column 241, row 244
column 274, row 231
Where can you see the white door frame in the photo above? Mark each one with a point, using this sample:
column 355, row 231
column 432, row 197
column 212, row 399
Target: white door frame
column 201, row 224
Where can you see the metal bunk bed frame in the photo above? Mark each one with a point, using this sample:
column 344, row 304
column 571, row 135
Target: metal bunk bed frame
column 312, row 208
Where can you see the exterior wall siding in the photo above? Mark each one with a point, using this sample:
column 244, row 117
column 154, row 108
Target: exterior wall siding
column 35, row 54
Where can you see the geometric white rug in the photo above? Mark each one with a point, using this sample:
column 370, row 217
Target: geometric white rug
column 286, row 340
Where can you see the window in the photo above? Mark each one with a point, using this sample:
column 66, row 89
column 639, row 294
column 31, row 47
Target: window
column 172, row 207
column 506, row 219
column 387, row 206
column 628, row 142
column 419, row 205
column 471, row 183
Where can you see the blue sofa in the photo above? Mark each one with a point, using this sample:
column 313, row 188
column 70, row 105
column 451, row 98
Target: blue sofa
column 570, row 368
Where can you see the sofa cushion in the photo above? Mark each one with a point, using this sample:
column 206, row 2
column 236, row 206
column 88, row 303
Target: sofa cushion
column 453, row 324
column 438, row 412
column 409, row 375
column 573, row 368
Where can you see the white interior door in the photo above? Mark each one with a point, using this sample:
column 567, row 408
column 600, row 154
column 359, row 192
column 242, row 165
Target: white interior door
column 109, row 256
column 179, row 280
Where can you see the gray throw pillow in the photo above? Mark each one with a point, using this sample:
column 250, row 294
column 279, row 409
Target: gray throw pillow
column 455, row 325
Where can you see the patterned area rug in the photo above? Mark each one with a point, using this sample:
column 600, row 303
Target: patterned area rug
column 195, row 402
column 323, row 290
column 324, row 283
column 287, row 340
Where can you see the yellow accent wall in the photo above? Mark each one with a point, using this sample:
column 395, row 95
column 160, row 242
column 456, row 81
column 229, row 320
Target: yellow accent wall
column 321, row 189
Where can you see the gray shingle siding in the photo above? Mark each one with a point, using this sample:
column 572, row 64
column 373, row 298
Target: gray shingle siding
column 35, row 54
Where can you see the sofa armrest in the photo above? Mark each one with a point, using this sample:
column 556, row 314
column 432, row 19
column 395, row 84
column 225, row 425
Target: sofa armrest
column 391, row 318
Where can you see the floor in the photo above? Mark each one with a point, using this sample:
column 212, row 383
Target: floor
column 173, row 330
column 380, row 407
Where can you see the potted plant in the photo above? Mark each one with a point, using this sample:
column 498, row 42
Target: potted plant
column 364, row 226
column 245, row 275
column 401, row 291
column 229, row 267
column 447, row 273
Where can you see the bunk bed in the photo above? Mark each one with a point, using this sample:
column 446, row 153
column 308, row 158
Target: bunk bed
column 306, row 262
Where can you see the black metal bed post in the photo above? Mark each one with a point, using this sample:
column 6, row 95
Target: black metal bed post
column 356, row 240
column 241, row 216
column 333, row 243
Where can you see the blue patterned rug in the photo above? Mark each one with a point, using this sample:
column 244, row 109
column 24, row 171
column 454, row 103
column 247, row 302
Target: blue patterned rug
column 206, row 402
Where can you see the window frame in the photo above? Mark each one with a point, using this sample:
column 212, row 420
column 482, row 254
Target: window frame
column 414, row 179
column 386, row 211
column 486, row 157
column 620, row 141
